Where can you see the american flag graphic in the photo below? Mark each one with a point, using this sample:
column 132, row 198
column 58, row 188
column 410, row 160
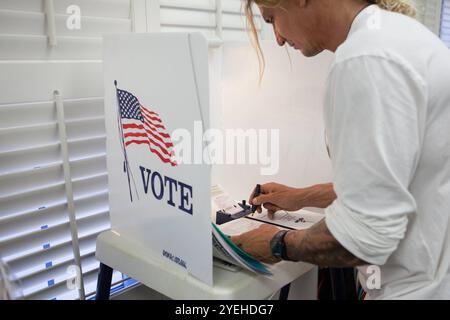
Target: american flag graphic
column 141, row 125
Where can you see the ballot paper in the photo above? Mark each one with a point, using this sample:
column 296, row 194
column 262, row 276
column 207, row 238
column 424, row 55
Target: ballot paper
column 296, row 220
column 225, row 250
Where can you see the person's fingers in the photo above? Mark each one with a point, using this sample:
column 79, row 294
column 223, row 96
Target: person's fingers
column 252, row 195
column 271, row 207
column 271, row 214
column 266, row 188
column 250, row 201
column 263, row 198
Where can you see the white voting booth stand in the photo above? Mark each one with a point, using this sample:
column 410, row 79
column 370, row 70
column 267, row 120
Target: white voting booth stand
column 161, row 209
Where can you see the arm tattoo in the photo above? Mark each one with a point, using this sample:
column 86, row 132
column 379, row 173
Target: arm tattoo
column 318, row 246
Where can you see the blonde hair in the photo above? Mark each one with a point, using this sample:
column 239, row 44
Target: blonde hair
column 400, row 6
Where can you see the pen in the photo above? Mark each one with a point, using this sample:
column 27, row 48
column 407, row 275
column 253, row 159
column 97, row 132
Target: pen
column 256, row 194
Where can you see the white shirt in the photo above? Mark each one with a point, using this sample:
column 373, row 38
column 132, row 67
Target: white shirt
column 387, row 115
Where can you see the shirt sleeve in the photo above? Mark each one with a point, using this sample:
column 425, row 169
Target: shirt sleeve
column 371, row 115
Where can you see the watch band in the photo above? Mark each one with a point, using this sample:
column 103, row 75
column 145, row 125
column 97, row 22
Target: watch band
column 278, row 246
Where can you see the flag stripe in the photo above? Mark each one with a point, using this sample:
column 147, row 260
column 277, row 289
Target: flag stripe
column 157, row 125
column 151, row 116
column 153, row 113
column 149, row 131
column 140, row 134
column 140, row 126
column 134, row 134
column 164, row 150
column 162, row 134
column 132, row 126
column 136, row 142
column 155, row 151
column 163, row 159
column 167, row 144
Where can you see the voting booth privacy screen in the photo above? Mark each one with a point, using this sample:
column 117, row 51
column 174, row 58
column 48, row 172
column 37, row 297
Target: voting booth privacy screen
column 155, row 84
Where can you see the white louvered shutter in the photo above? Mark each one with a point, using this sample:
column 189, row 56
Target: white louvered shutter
column 445, row 22
column 216, row 19
column 35, row 234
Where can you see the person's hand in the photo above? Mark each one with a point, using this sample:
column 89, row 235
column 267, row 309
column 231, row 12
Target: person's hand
column 257, row 243
column 275, row 196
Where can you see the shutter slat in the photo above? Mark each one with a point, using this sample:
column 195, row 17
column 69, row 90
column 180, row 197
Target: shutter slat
column 34, row 23
column 52, row 258
column 41, row 79
column 99, row 8
column 29, row 180
column 30, row 171
column 55, row 276
column 31, row 211
column 44, row 188
column 445, row 23
column 56, row 237
column 88, row 167
column 30, row 228
column 35, row 47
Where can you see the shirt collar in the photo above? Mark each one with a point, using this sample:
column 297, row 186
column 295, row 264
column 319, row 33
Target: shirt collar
column 361, row 19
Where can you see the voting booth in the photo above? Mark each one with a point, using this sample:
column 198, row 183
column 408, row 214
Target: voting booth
column 155, row 83
column 157, row 90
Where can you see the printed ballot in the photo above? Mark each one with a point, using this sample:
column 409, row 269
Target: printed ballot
column 224, row 249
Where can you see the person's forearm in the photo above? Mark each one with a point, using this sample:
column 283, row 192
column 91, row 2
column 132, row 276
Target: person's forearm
column 317, row 196
column 318, row 246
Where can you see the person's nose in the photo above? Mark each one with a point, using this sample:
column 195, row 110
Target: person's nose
column 280, row 40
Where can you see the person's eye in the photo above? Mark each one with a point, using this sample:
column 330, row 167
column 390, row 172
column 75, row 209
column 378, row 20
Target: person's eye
column 268, row 20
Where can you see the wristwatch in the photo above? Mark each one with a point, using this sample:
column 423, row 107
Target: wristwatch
column 277, row 245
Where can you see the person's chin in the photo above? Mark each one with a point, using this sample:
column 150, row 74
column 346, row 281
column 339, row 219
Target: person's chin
column 309, row 52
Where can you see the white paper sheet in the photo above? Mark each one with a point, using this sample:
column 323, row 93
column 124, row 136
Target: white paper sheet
column 299, row 220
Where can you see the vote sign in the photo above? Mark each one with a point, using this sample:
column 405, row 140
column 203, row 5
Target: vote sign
column 154, row 84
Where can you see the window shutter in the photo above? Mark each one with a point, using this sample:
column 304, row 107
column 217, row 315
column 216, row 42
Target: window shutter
column 216, row 19
column 35, row 234
column 445, row 22
column 429, row 13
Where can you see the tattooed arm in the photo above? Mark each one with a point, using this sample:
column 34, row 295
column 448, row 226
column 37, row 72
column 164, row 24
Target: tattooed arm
column 318, row 246
column 315, row 245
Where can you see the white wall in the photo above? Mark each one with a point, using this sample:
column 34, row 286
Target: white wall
column 289, row 99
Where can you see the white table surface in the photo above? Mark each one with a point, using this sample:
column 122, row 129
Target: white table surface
column 174, row 282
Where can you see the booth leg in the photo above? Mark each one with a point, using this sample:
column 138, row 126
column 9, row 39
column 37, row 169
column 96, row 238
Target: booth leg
column 284, row 292
column 104, row 282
